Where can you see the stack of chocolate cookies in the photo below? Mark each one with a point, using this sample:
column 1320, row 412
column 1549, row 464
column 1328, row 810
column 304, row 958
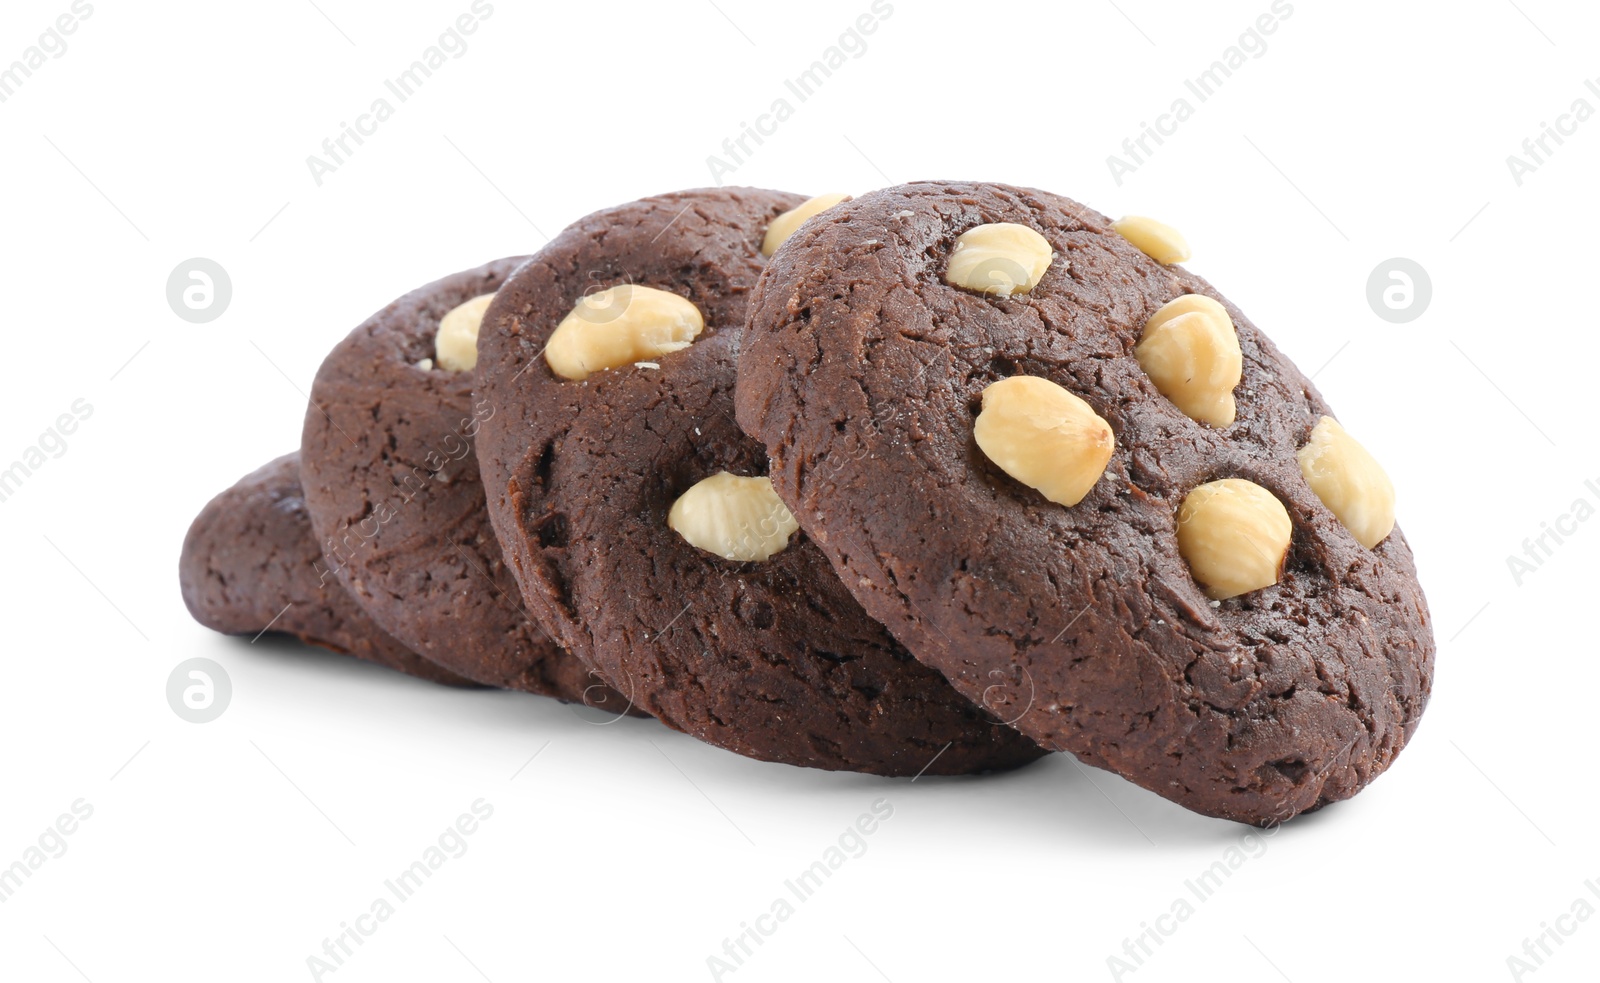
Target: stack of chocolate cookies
column 934, row 480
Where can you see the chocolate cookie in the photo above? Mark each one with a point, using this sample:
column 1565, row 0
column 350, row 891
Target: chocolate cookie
column 392, row 485
column 1099, row 627
column 250, row 563
column 604, row 476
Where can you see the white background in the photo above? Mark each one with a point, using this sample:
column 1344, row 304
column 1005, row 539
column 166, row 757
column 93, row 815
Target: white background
column 231, row 850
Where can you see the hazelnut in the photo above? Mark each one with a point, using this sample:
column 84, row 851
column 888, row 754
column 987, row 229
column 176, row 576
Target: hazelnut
column 1349, row 481
column 1159, row 241
column 456, row 344
column 789, row 222
column 1002, row 258
column 736, row 518
column 1190, row 350
column 620, row 326
column 1044, row 436
column 1234, row 535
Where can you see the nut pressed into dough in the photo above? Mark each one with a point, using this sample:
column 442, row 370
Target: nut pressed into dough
column 619, row 326
column 456, row 344
column 789, row 222
column 735, row 517
column 1234, row 534
column 1002, row 258
column 1044, row 436
column 1190, row 350
column 1349, row 481
column 1159, row 241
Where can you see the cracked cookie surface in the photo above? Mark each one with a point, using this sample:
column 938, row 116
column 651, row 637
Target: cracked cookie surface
column 392, row 484
column 863, row 372
column 772, row 659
